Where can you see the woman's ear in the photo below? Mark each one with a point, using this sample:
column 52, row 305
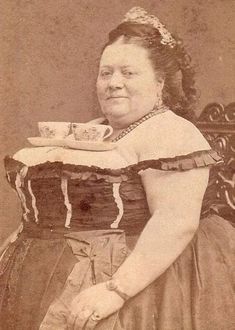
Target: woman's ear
column 160, row 85
column 159, row 89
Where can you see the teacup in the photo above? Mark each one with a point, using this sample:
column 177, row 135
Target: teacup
column 91, row 132
column 53, row 129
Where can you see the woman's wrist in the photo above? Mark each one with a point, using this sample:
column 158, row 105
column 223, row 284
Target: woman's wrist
column 115, row 286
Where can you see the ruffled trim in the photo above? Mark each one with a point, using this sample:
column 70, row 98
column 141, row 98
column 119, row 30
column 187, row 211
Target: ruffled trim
column 71, row 171
column 197, row 159
column 95, row 176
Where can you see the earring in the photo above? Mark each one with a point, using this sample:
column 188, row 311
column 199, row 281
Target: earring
column 158, row 102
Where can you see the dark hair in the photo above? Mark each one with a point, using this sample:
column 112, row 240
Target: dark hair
column 174, row 64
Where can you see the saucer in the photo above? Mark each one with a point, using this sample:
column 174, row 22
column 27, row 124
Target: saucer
column 90, row 145
column 38, row 141
column 69, row 142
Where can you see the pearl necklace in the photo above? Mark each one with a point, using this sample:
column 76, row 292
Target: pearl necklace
column 155, row 111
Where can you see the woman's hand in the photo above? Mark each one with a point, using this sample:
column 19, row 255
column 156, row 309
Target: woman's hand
column 92, row 305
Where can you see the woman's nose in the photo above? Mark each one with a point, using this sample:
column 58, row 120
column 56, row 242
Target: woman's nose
column 116, row 81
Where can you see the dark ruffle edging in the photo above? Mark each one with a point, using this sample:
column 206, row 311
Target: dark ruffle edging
column 202, row 158
column 197, row 159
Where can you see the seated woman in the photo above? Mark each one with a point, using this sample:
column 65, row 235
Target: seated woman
column 112, row 240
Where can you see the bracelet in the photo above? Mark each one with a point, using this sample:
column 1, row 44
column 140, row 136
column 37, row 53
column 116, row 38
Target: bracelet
column 112, row 285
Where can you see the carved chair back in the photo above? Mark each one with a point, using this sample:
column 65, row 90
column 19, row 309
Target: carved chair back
column 217, row 123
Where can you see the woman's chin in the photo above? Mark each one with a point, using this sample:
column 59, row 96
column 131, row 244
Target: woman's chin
column 116, row 112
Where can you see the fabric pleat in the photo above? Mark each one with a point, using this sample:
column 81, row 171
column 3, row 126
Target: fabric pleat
column 67, row 245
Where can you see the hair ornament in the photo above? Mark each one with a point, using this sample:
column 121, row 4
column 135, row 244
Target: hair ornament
column 139, row 15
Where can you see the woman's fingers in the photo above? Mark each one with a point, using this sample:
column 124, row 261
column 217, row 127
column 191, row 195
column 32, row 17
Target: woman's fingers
column 78, row 320
column 81, row 320
column 92, row 321
column 84, row 318
column 84, row 314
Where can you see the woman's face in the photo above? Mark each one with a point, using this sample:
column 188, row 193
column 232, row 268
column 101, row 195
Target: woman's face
column 127, row 86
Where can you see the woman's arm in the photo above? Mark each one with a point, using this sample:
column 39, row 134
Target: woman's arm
column 174, row 201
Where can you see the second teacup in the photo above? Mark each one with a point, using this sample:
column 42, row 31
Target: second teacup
column 91, row 132
column 53, row 129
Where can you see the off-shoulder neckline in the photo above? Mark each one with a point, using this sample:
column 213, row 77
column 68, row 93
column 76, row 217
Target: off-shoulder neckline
column 196, row 159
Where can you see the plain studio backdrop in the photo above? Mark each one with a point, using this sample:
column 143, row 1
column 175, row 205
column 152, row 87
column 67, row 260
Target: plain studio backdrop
column 49, row 54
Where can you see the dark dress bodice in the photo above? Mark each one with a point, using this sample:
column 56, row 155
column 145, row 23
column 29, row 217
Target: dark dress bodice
column 63, row 197
column 71, row 240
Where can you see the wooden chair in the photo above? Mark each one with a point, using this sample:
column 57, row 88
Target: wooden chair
column 217, row 123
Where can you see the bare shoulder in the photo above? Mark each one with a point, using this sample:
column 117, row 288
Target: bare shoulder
column 169, row 135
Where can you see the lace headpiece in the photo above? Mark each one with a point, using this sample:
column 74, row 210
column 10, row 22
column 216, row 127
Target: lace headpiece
column 139, row 15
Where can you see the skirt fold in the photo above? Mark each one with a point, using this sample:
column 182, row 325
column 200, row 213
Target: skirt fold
column 40, row 277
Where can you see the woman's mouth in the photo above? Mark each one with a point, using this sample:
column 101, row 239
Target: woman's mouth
column 116, row 97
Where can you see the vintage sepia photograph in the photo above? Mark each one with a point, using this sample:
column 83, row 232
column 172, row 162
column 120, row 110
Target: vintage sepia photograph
column 117, row 167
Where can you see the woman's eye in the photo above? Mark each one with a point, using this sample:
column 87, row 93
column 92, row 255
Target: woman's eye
column 105, row 74
column 128, row 74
